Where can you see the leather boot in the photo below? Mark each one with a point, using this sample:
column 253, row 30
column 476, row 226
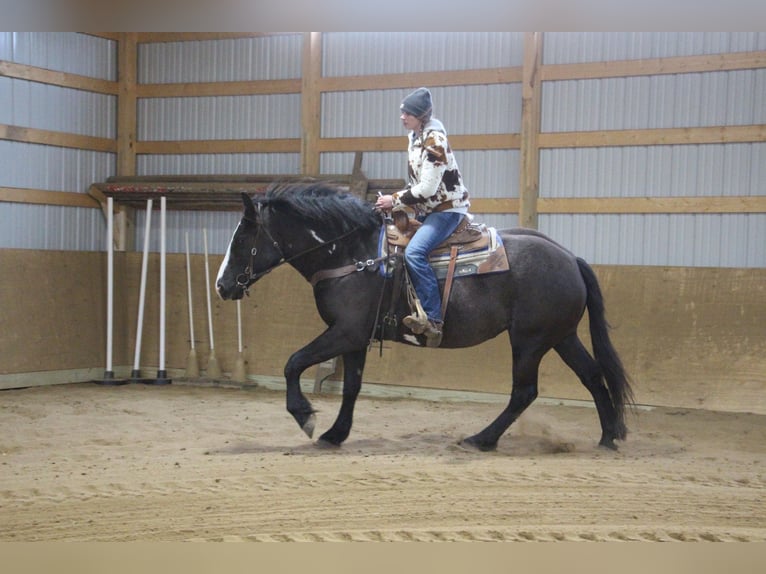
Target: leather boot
column 433, row 333
column 416, row 323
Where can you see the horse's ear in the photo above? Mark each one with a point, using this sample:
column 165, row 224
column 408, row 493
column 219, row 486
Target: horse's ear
column 249, row 206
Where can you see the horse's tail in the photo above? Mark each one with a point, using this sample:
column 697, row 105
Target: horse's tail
column 617, row 380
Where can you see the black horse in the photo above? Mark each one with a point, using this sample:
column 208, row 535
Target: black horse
column 331, row 238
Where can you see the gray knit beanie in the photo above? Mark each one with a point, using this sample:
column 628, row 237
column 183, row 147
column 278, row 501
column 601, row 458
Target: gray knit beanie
column 418, row 103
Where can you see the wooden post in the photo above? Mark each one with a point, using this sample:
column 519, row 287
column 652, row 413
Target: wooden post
column 127, row 125
column 530, row 129
column 311, row 102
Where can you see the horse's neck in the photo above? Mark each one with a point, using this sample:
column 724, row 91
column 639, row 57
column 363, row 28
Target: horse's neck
column 329, row 250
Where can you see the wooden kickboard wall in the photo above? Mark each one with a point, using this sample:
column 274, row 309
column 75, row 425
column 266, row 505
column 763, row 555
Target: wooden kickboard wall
column 690, row 337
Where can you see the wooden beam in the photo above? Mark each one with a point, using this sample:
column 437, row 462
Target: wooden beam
column 647, row 205
column 46, row 197
column 531, row 95
column 204, row 89
column 115, row 36
column 219, row 146
column 660, row 136
column 494, row 205
column 127, row 116
column 394, row 143
column 53, row 138
column 416, row 79
column 161, row 37
column 626, row 205
column 551, row 205
column 655, row 66
column 311, row 102
column 53, row 78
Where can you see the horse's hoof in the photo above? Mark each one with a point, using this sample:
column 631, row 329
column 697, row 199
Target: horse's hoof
column 472, row 444
column 608, row 443
column 326, row 444
column 308, row 426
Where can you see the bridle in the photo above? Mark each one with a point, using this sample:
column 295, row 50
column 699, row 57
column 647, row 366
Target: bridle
column 247, row 277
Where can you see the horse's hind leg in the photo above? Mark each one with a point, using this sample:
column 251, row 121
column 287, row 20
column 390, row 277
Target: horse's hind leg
column 577, row 358
column 525, row 369
column 353, row 367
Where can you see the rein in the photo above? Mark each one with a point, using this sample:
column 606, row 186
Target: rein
column 247, row 277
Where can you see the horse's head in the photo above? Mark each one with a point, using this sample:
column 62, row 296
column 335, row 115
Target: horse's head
column 252, row 252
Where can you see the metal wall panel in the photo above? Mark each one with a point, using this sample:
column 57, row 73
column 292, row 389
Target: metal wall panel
column 229, row 117
column 696, row 240
column 52, row 168
column 672, row 101
column 685, row 100
column 34, row 105
column 220, row 226
column 574, row 47
column 654, row 171
column 362, row 53
column 40, row 106
column 491, row 109
column 242, row 59
column 25, row 226
column 232, row 164
column 665, row 101
column 62, row 51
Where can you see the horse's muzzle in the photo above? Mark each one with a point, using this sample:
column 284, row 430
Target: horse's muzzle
column 234, row 292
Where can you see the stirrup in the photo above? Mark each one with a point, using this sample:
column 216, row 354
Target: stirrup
column 415, row 324
column 433, row 333
column 418, row 321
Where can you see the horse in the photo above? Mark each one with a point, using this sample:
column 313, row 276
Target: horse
column 332, row 237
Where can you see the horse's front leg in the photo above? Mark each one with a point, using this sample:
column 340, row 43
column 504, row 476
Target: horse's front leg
column 324, row 347
column 353, row 367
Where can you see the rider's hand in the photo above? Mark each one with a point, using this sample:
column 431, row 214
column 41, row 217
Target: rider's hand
column 384, row 203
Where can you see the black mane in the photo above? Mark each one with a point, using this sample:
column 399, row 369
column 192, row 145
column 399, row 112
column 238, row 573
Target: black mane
column 321, row 204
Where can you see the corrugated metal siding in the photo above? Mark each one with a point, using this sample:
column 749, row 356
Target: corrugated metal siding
column 219, row 225
column 664, row 101
column 52, row 168
column 709, row 240
column 24, row 226
column 62, row 51
column 716, row 98
column 224, row 117
column 491, row 109
column 242, row 59
column 41, row 106
column 654, row 171
column 673, row 101
column 200, row 164
column 362, row 53
column 574, row 47
column 29, row 104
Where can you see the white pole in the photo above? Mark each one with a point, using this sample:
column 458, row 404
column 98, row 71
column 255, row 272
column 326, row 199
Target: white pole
column 213, row 369
column 238, row 373
column 161, row 372
column 239, row 324
column 109, row 285
column 108, row 378
column 189, row 292
column 192, row 365
column 136, row 374
column 207, row 290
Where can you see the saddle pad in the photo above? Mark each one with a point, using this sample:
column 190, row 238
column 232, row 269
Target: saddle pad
column 488, row 259
column 472, row 259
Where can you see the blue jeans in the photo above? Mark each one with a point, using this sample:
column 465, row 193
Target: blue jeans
column 436, row 228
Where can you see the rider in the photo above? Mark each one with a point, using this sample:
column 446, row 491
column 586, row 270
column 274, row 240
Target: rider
column 437, row 193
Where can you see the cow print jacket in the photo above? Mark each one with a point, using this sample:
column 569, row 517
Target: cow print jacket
column 435, row 183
